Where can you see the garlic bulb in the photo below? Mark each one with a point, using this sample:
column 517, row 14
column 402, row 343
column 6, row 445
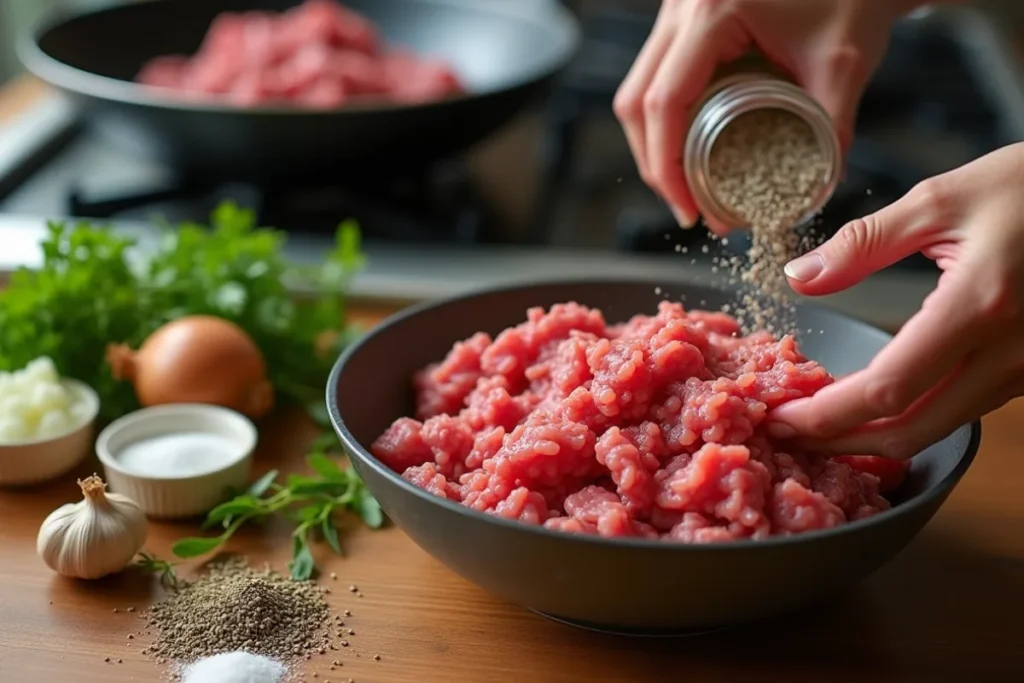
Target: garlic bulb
column 94, row 537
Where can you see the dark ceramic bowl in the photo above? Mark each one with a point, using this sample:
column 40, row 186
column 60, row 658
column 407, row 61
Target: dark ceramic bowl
column 621, row 585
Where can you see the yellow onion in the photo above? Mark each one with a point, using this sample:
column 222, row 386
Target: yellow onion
column 197, row 359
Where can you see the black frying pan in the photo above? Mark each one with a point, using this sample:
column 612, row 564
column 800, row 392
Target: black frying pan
column 505, row 51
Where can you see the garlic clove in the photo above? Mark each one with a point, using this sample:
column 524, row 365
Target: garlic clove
column 95, row 537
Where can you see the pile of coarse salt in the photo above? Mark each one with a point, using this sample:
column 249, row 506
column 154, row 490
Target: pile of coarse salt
column 235, row 667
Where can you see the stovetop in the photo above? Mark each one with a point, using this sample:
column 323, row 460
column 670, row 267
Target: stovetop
column 946, row 93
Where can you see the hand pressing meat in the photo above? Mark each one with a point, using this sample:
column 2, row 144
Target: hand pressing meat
column 317, row 55
column 962, row 355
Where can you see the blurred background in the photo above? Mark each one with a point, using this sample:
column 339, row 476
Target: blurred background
column 555, row 191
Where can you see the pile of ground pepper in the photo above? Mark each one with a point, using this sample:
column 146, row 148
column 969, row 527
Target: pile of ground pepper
column 767, row 166
column 235, row 607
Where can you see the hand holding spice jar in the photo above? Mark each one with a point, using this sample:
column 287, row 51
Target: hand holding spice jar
column 828, row 48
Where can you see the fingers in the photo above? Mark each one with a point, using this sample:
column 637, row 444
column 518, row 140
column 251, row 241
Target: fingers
column 928, row 348
column 867, row 245
column 976, row 389
column 684, row 73
column 628, row 104
column 675, row 66
column 836, row 79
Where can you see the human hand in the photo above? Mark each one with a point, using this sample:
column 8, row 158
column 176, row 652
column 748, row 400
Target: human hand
column 962, row 355
column 830, row 48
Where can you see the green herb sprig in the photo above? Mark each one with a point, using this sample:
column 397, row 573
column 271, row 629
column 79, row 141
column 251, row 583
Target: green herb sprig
column 94, row 287
column 311, row 502
column 162, row 568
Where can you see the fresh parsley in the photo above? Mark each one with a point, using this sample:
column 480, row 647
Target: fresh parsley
column 94, row 288
column 313, row 503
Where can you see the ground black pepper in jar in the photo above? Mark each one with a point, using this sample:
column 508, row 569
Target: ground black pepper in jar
column 748, row 104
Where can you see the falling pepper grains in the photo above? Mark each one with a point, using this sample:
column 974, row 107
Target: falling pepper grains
column 376, row 658
column 348, row 613
column 334, row 577
column 353, row 589
column 767, row 167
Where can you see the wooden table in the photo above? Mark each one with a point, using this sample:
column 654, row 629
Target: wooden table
column 946, row 610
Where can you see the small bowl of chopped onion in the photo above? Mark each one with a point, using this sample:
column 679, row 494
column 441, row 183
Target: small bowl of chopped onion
column 46, row 423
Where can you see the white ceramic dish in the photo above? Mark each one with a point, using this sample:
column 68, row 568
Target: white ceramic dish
column 186, row 495
column 38, row 460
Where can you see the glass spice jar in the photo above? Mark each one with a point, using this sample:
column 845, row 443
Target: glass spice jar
column 746, row 85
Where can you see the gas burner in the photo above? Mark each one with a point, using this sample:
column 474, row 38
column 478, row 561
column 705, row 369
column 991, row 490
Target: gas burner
column 439, row 205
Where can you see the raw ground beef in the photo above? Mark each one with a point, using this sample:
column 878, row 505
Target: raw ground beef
column 317, row 55
column 649, row 429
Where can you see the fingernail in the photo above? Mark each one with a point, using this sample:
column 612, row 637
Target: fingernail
column 685, row 221
column 780, row 430
column 807, row 267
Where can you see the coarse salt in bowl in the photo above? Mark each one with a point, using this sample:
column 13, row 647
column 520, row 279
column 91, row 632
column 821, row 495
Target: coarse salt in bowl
column 46, row 423
column 178, row 460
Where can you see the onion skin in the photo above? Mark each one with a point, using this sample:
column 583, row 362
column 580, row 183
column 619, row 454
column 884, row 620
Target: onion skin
column 197, row 359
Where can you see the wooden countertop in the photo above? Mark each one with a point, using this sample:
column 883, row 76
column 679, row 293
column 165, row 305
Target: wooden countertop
column 945, row 610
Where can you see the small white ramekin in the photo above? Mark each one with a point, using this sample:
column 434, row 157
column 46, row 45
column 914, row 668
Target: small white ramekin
column 38, row 460
column 187, row 495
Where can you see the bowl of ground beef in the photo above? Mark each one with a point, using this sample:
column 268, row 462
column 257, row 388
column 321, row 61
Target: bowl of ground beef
column 595, row 451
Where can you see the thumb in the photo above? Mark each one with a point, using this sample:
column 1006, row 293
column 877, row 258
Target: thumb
column 867, row 245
